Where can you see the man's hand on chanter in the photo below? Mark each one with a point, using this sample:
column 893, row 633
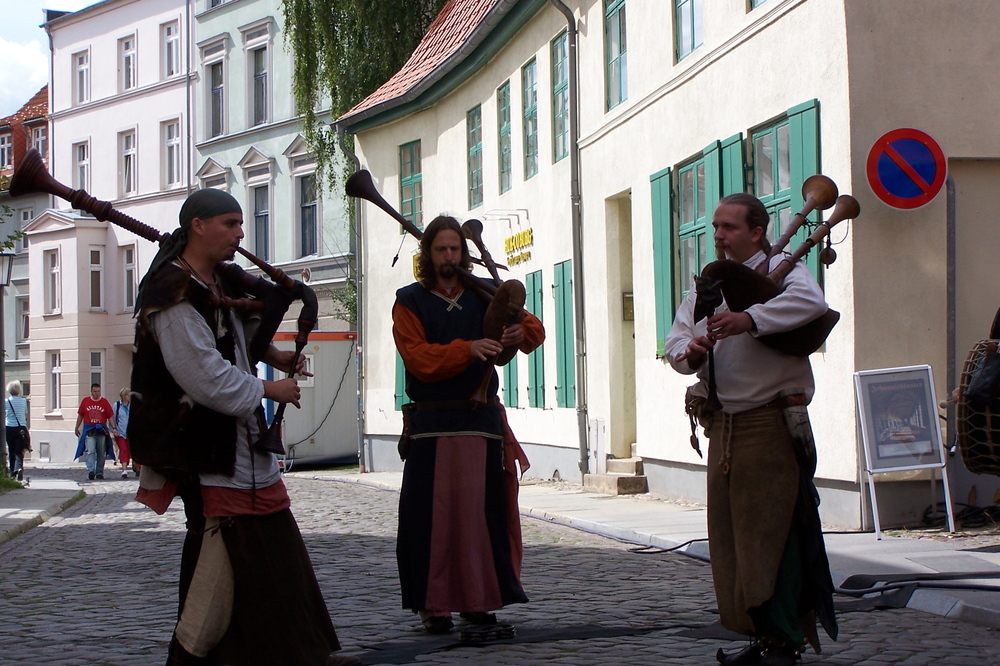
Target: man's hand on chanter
column 283, row 390
column 484, row 348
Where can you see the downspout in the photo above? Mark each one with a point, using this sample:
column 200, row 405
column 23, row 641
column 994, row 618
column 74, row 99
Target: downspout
column 189, row 10
column 577, row 225
column 359, row 285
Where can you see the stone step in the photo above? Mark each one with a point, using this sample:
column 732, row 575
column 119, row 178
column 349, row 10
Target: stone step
column 625, row 466
column 615, row 484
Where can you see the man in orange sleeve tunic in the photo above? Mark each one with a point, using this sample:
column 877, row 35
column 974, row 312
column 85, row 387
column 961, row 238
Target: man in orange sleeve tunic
column 459, row 545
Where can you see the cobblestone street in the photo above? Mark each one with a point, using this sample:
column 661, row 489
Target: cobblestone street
column 97, row 585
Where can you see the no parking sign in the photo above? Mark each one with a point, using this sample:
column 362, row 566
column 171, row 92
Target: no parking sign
column 906, row 168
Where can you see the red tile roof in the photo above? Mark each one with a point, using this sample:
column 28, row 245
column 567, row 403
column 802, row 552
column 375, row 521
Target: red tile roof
column 34, row 108
column 453, row 26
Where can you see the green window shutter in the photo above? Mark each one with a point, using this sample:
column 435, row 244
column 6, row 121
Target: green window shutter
column 536, row 359
column 733, row 174
column 803, row 145
column 400, row 392
column 713, row 186
column 510, row 383
column 663, row 253
column 565, row 339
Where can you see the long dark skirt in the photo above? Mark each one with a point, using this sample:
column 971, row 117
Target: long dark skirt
column 453, row 547
column 279, row 616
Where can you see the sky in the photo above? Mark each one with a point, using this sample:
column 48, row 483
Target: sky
column 24, row 48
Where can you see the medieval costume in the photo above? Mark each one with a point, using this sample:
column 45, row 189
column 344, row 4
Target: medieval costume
column 769, row 565
column 459, row 542
column 248, row 593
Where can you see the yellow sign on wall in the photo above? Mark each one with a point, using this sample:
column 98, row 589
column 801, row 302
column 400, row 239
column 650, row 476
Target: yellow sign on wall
column 515, row 245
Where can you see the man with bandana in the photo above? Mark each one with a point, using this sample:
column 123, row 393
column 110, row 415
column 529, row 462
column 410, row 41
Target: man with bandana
column 248, row 593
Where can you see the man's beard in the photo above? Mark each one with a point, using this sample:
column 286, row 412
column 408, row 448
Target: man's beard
column 446, row 271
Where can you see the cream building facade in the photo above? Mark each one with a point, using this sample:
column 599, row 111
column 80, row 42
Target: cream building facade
column 678, row 104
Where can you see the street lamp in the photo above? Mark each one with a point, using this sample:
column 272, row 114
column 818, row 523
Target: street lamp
column 6, row 267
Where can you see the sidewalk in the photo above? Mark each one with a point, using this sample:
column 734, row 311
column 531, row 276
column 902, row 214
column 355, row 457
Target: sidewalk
column 956, row 579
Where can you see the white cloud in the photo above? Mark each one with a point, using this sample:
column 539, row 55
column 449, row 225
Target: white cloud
column 25, row 70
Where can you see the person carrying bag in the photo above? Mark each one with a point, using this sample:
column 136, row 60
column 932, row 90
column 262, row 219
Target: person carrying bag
column 18, row 438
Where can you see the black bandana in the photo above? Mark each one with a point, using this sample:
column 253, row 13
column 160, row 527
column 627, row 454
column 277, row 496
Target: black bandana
column 202, row 204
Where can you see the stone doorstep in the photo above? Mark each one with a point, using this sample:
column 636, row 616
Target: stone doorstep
column 625, row 466
column 615, row 484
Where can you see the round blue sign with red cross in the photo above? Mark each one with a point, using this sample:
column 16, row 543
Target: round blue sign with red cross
column 906, row 168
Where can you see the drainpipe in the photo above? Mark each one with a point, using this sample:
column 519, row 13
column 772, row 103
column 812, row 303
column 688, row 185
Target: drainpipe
column 577, row 225
column 189, row 42
column 359, row 284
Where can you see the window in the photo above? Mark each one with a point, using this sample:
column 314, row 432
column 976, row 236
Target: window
column 474, row 142
column 696, row 206
column 96, row 254
column 96, row 367
column 170, row 32
column 53, row 282
column 127, row 75
column 40, row 140
column 27, row 215
column 565, row 341
column 503, row 136
column 259, row 59
column 307, row 216
column 216, row 95
column 81, row 80
column 536, row 359
column 411, row 184
column 127, row 169
column 171, row 132
column 81, row 170
column 529, row 103
column 130, row 283
column 615, row 51
column 261, row 229
column 55, row 381
column 754, row 4
column 688, row 25
column 560, row 97
column 22, row 319
column 6, row 151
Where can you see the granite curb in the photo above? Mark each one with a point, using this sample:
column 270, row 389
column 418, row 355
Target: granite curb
column 35, row 515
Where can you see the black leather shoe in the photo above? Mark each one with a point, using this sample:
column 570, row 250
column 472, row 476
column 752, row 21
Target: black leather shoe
column 748, row 656
column 437, row 624
column 479, row 617
column 779, row 655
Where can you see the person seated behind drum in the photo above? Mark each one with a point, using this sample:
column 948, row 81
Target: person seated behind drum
column 16, row 419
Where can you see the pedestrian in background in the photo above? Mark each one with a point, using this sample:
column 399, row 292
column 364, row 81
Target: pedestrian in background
column 121, row 410
column 95, row 425
column 16, row 421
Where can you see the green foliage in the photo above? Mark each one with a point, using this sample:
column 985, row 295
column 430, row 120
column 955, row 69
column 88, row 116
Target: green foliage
column 345, row 300
column 344, row 50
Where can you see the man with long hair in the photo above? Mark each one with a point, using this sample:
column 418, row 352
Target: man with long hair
column 459, row 541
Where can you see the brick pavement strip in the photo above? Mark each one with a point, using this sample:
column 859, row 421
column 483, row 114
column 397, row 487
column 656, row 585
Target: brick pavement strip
column 97, row 585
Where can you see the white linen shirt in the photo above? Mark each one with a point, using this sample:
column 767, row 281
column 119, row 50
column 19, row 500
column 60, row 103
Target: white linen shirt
column 188, row 348
column 748, row 373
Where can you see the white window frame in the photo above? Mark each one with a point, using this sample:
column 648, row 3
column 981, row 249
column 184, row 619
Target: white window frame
column 95, row 274
column 22, row 306
column 53, row 281
column 130, row 281
column 170, row 37
column 172, row 155
column 81, row 77
column 128, row 75
column 299, row 209
column 256, row 38
column 81, row 165
column 40, row 140
column 26, row 215
column 214, row 54
column 96, row 370
column 128, row 176
column 55, row 382
column 6, row 150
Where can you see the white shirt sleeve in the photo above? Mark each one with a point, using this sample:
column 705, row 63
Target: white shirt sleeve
column 188, row 348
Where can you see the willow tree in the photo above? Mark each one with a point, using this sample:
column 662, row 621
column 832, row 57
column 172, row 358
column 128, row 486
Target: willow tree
column 344, row 50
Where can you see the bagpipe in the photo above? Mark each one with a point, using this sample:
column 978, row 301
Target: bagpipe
column 506, row 298
column 270, row 299
column 977, row 417
column 744, row 287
